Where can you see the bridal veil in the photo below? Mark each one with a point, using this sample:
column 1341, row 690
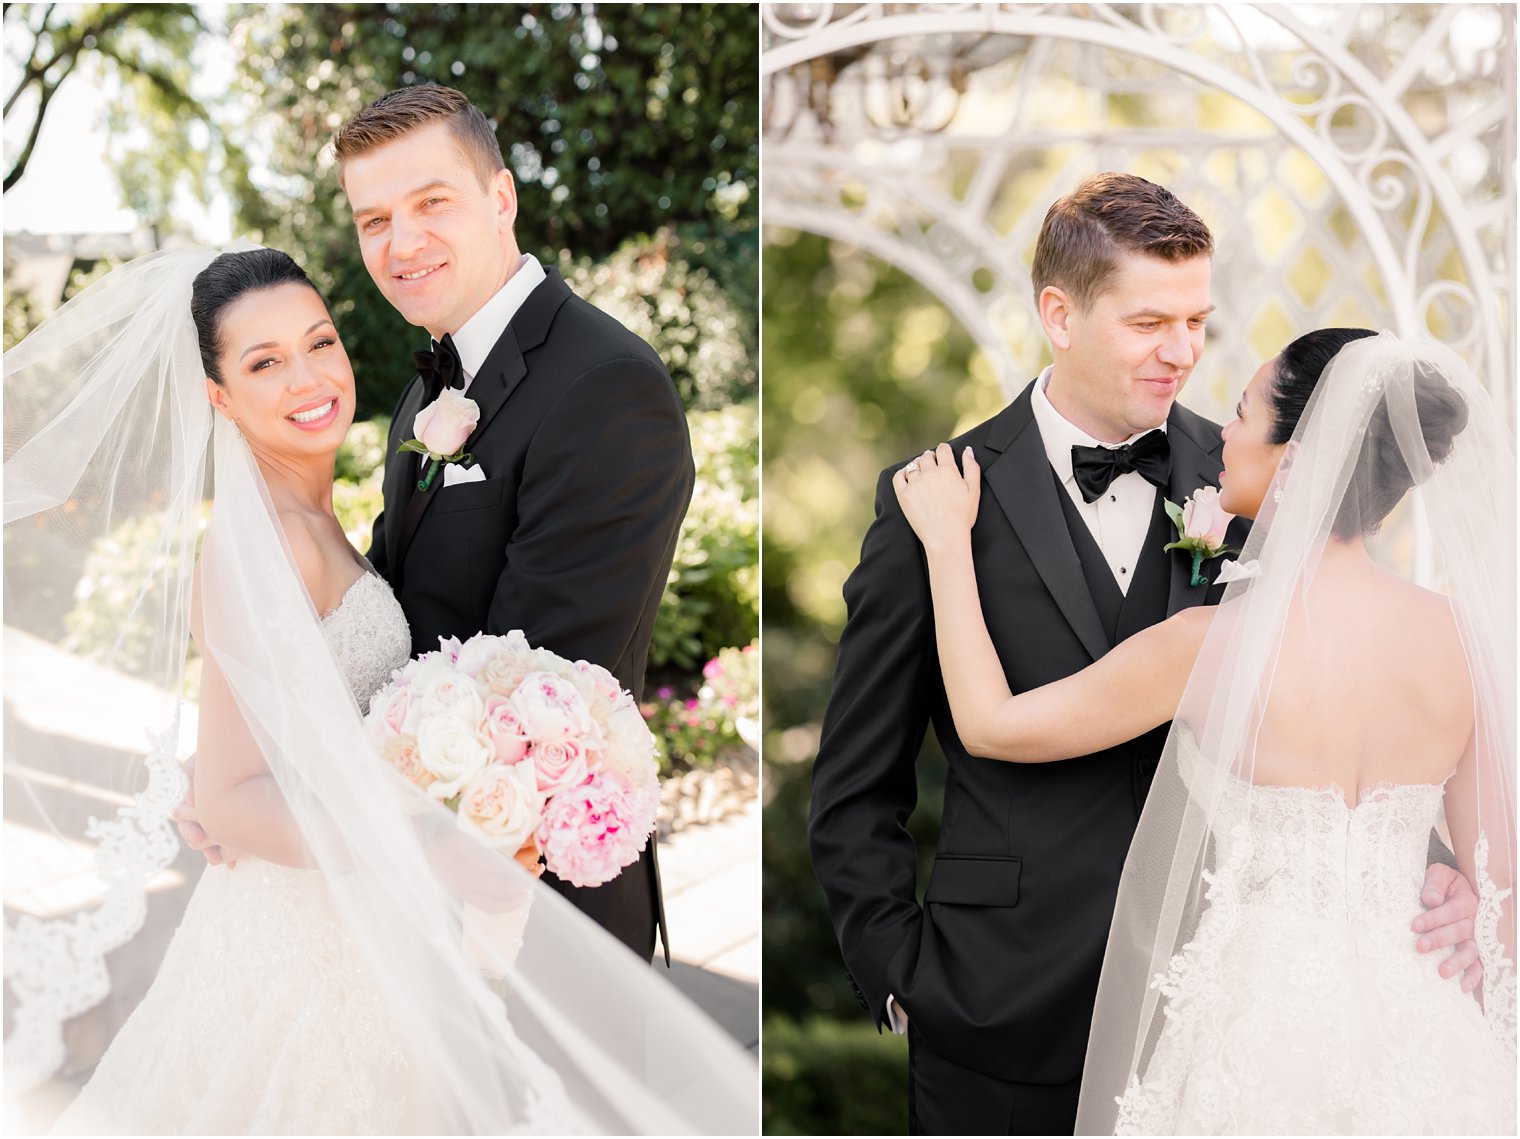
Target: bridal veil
column 110, row 458
column 1363, row 440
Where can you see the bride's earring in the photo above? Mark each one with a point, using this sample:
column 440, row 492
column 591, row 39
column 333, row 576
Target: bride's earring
column 1277, row 494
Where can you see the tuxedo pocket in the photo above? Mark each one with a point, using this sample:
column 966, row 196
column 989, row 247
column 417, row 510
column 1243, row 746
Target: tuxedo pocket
column 470, row 495
column 974, row 880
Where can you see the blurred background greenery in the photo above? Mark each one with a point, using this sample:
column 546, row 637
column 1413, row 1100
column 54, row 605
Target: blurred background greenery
column 632, row 132
column 862, row 366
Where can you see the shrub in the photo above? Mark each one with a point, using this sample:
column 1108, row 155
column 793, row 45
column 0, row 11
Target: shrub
column 827, row 1077
column 713, row 596
column 681, row 311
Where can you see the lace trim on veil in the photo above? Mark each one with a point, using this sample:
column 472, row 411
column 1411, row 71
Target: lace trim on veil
column 56, row 967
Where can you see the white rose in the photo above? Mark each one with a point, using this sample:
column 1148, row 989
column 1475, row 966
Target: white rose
column 501, row 804
column 444, row 425
column 452, row 752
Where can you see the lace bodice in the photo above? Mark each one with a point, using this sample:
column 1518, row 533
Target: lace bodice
column 1299, row 1004
column 1306, row 849
column 369, row 635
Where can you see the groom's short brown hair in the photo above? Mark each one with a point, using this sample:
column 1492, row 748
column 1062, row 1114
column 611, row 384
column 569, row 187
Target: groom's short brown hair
column 1108, row 215
column 405, row 109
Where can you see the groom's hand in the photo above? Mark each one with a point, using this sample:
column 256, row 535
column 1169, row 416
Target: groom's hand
column 1450, row 906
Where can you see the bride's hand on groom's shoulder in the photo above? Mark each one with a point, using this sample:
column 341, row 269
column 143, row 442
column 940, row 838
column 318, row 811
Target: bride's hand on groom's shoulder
column 939, row 501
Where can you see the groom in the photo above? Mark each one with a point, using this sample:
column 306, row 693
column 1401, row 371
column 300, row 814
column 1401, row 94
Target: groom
column 994, row 976
column 566, row 523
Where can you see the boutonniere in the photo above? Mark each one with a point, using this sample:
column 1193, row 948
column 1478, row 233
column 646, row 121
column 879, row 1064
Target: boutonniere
column 442, row 428
column 1201, row 524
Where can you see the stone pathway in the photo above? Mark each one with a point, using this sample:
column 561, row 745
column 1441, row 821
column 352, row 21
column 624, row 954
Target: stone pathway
column 711, row 878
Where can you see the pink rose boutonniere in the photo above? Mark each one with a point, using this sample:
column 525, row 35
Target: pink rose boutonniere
column 442, row 428
column 1201, row 524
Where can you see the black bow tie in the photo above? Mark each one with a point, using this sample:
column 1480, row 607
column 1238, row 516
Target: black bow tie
column 439, row 369
column 1150, row 456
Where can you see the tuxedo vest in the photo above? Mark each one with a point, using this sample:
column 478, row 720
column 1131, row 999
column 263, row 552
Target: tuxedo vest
column 1126, row 613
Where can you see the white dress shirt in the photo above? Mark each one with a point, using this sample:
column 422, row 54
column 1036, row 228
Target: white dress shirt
column 1120, row 519
column 478, row 335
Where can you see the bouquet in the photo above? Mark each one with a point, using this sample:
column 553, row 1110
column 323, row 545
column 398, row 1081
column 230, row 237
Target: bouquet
column 520, row 742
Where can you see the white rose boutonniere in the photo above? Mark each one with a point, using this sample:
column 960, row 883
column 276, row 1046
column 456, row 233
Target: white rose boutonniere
column 1201, row 524
column 442, row 428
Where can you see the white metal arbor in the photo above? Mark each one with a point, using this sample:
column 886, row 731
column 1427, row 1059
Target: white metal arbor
column 1356, row 162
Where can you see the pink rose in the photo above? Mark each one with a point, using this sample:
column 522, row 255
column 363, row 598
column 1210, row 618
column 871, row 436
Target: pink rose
column 551, row 708
column 402, row 754
column 500, row 804
column 1204, row 519
column 393, row 709
column 505, row 731
column 561, row 765
column 589, row 834
column 444, row 425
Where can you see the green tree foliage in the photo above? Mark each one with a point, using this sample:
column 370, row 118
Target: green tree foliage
column 148, row 49
column 616, row 120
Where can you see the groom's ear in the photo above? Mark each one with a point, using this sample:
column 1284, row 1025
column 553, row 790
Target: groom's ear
column 1056, row 310
column 504, row 195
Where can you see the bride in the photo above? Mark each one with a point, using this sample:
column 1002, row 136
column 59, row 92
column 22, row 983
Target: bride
column 365, row 967
column 1259, row 976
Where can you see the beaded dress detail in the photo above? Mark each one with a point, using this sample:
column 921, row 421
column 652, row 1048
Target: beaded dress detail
column 263, row 1017
column 1300, row 1005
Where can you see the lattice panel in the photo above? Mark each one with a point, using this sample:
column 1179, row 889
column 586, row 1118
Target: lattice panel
column 1355, row 162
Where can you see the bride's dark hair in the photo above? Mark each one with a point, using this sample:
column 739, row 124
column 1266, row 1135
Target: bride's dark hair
column 1382, row 475
column 226, row 279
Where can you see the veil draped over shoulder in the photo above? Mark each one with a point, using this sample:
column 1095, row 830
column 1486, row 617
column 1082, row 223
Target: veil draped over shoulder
column 110, row 457
column 1361, row 442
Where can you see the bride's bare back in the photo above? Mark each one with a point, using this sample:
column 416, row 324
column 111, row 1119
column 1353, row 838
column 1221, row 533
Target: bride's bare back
column 1371, row 686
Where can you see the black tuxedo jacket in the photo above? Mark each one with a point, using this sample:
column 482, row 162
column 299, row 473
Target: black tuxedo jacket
column 570, row 538
column 998, row 969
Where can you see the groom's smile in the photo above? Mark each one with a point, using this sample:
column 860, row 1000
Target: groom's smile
column 421, row 206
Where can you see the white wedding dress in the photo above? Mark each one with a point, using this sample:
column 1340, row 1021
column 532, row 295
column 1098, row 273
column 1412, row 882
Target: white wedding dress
column 263, row 1017
column 1299, row 1005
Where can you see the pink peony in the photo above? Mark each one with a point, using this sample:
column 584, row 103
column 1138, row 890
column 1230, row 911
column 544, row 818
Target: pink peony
column 551, row 708
column 561, row 765
column 591, row 833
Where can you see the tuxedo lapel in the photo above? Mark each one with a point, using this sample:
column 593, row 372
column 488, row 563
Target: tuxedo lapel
column 1195, row 463
column 401, row 476
column 497, row 379
column 1020, row 479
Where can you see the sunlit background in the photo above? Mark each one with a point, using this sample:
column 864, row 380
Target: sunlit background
column 1355, row 162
